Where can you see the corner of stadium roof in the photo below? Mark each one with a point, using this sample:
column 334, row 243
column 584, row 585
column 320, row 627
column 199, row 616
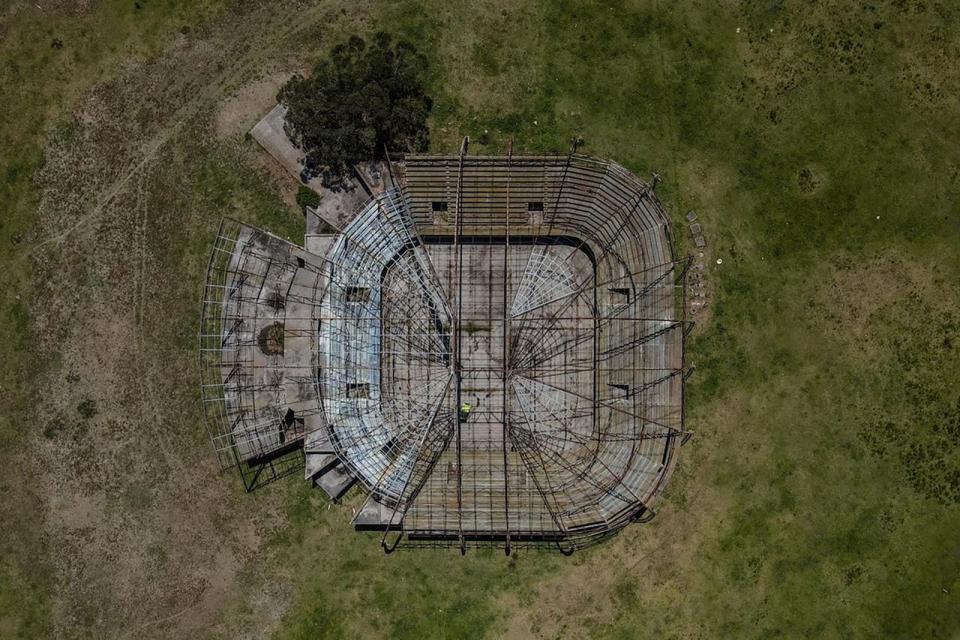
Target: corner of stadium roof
column 492, row 350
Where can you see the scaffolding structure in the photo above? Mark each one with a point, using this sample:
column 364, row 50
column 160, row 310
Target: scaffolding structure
column 256, row 351
column 492, row 348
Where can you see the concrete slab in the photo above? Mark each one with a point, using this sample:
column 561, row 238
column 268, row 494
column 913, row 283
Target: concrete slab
column 318, row 463
column 271, row 136
column 335, row 482
column 319, row 244
column 374, row 516
column 316, row 440
column 317, row 443
column 336, row 207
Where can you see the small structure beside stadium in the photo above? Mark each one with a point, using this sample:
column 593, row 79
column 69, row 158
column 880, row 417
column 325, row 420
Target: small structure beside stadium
column 492, row 350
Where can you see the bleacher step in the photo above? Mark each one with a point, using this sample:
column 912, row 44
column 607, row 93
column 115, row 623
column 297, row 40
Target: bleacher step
column 319, row 463
column 335, row 482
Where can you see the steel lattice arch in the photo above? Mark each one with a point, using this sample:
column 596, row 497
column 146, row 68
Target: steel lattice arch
column 492, row 349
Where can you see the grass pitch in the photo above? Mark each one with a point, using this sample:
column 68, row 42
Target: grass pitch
column 820, row 496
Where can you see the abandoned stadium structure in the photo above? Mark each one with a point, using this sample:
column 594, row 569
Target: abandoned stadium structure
column 492, row 348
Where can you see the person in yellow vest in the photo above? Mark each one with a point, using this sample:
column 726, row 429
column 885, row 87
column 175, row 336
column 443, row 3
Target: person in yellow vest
column 465, row 410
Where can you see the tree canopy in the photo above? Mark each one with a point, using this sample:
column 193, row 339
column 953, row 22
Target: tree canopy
column 358, row 101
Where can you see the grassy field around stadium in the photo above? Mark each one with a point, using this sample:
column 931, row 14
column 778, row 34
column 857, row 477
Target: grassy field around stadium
column 820, row 494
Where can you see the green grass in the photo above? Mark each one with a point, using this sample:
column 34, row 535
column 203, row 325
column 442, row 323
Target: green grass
column 439, row 595
column 820, row 495
column 789, row 143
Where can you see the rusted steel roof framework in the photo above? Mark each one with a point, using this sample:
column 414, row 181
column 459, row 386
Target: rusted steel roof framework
column 541, row 290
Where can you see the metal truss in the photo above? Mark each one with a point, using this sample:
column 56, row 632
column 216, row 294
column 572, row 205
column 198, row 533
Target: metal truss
column 493, row 349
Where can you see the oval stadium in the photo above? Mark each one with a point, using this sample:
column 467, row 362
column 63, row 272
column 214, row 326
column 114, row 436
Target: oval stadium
column 491, row 349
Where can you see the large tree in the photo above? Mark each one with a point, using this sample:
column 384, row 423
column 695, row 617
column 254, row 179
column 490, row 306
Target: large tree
column 358, row 101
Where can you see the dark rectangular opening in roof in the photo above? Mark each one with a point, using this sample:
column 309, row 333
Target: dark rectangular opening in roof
column 623, row 391
column 358, row 294
column 358, row 390
column 535, row 206
column 623, row 293
column 439, row 205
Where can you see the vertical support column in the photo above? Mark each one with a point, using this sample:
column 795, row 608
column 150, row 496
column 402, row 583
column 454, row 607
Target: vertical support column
column 506, row 361
column 457, row 365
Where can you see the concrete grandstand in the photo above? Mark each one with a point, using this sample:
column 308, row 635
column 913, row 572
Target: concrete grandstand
column 492, row 349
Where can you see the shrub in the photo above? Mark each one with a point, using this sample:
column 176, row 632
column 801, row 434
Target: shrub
column 87, row 408
column 270, row 340
column 307, row 197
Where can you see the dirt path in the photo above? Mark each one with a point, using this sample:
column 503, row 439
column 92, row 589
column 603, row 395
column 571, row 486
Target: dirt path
column 150, row 540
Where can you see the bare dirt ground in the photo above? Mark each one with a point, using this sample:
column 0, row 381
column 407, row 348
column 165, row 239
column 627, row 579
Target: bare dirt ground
column 237, row 114
column 146, row 533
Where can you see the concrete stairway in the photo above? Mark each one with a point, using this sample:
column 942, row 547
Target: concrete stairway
column 323, row 468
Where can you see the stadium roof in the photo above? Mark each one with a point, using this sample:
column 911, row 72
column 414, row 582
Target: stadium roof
column 492, row 348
